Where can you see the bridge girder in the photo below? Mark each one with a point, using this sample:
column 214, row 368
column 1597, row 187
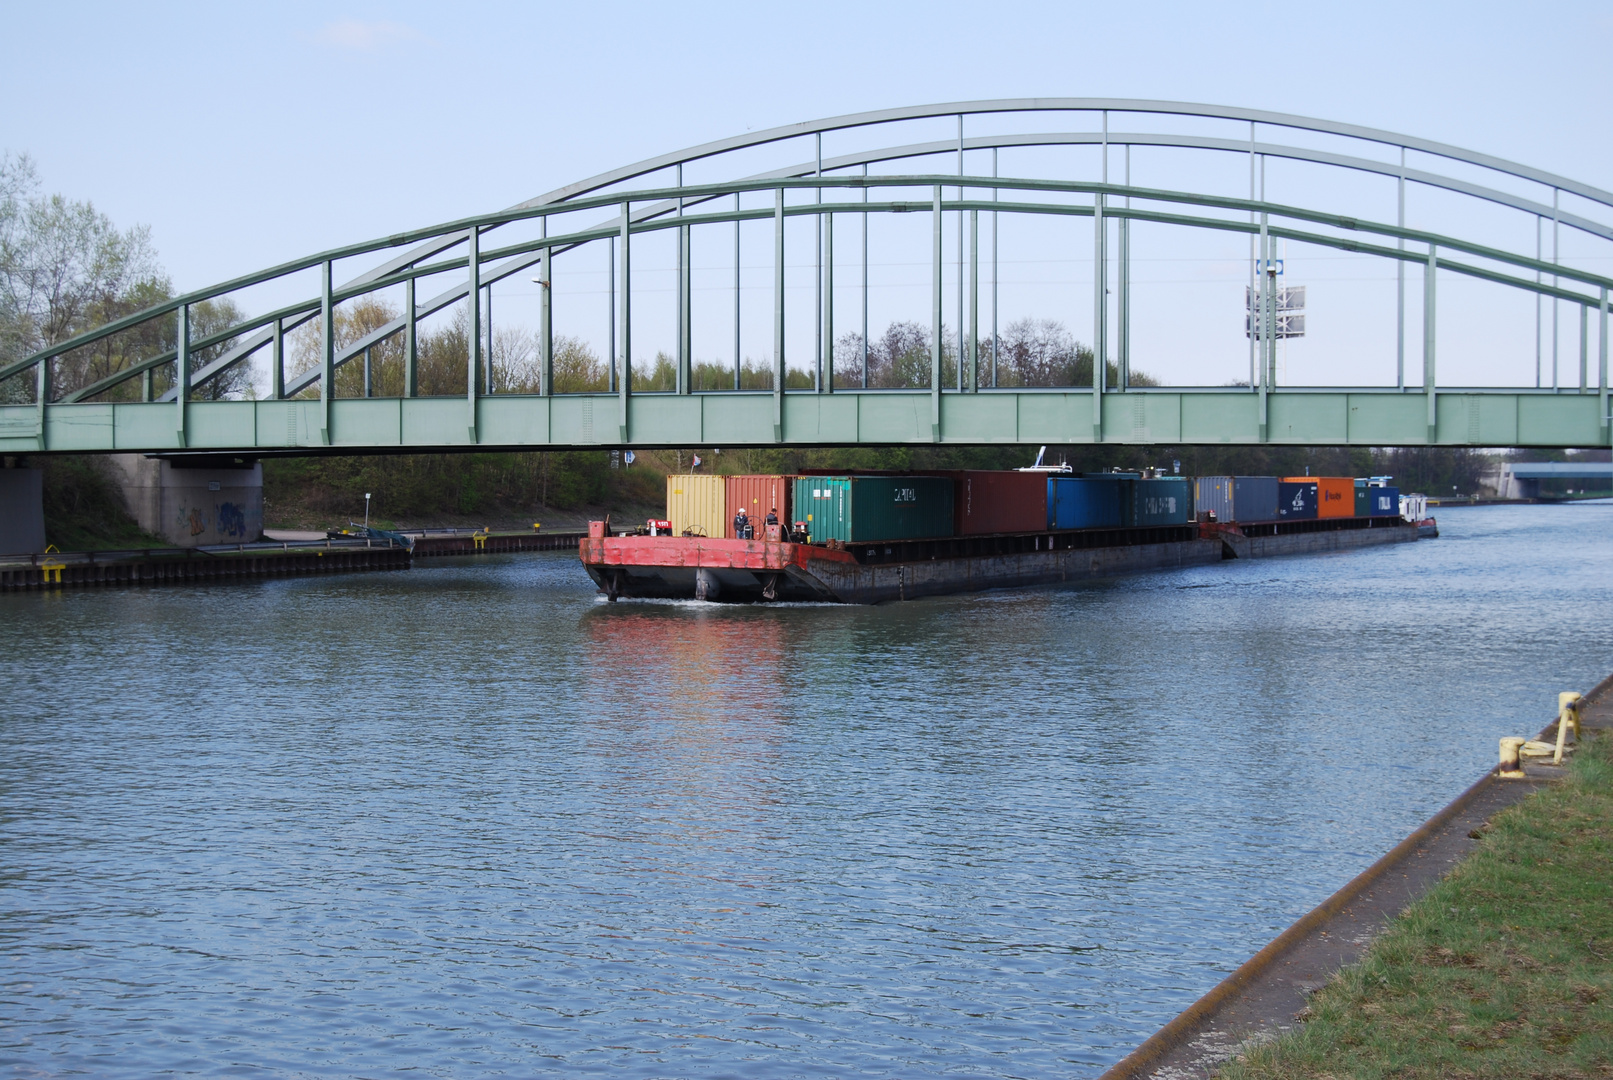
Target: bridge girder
column 1153, row 417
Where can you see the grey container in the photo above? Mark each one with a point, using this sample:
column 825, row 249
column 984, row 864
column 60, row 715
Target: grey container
column 1236, row 498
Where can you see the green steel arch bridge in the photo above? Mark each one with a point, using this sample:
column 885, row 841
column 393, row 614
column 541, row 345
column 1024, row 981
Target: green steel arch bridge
column 162, row 402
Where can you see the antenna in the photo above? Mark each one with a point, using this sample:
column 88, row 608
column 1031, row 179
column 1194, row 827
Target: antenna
column 1039, row 454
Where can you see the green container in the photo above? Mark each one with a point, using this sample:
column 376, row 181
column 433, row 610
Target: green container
column 1164, row 500
column 1363, row 502
column 865, row 509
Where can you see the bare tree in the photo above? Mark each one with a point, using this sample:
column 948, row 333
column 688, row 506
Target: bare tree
column 65, row 269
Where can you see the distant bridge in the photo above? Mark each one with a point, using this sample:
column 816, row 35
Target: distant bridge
column 1521, row 480
column 157, row 401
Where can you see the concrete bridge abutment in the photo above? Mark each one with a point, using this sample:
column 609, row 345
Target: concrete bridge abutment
column 194, row 500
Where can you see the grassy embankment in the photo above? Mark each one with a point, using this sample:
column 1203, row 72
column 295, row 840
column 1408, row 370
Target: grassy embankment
column 85, row 511
column 1505, row 969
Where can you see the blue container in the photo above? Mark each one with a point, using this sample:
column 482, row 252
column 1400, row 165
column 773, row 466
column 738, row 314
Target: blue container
column 1296, row 500
column 1079, row 502
column 1383, row 502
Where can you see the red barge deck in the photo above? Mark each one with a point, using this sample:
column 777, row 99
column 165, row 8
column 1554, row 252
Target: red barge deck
column 750, row 571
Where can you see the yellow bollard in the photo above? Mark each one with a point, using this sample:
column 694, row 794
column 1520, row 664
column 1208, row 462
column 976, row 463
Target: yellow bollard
column 1567, row 717
column 51, row 569
column 1511, row 767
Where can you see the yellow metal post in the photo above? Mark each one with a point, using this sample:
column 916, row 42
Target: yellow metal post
column 1511, row 766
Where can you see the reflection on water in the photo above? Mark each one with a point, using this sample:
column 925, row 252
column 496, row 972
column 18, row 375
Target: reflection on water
column 473, row 820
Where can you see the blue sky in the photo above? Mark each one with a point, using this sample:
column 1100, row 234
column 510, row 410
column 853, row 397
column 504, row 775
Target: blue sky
column 245, row 134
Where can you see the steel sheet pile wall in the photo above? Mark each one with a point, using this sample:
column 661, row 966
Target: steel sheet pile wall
column 1079, row 502
column 697, row 504
column 1296, row 500
column 988, row 502
column 757, row 494
column 860, row 509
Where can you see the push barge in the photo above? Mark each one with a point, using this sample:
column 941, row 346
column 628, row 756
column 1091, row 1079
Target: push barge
column 779, row 569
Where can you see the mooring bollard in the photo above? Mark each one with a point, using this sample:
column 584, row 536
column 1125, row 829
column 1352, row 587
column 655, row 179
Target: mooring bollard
column 1511, row 767
column 1567, row 717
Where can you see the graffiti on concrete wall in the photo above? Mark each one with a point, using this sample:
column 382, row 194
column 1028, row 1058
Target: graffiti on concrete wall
column 192, row 521
column 231, row 521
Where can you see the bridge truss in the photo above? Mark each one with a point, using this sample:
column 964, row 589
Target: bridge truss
column 157, row 402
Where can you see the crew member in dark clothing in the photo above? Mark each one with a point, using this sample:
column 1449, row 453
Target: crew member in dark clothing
column 772, row 517
column 742, row 525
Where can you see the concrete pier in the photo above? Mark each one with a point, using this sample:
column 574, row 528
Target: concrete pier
column 194, row 500
column 22, row 512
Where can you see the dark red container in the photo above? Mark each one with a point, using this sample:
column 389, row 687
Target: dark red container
column 757, row 493
column 998, row 502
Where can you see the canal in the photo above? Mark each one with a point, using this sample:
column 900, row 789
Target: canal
column 470, row 820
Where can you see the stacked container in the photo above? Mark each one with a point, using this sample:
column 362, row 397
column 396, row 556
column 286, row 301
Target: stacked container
column 1083, row 502
column 1383, row 502
column 1164, row 500
column 697, row 505
column 1296, row 500
column 756, row 494
column 1335, row 495
column 998, row 502
column 861, row 509
column 1237, row 498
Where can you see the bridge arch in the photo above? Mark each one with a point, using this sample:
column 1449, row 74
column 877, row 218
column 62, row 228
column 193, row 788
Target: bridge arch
column 925, row 160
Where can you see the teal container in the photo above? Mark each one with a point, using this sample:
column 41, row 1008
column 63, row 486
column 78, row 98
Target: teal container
column 870, row 509
column 1363, row 501
column 1165, row 500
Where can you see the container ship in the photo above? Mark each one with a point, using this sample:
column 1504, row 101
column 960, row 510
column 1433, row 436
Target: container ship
column 864, row 538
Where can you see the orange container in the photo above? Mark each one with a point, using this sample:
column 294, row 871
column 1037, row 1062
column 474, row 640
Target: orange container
column 1335, row 495
column 757, row 494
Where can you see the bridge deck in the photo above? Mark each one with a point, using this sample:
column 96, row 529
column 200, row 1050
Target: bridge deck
column 884, row 417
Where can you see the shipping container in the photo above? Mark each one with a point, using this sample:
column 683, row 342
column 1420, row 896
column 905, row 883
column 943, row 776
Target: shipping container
column 757, row 494
column 1335, row 495
column 998, row 502
column 696, row 504
column 1385, row 502
column 1363, row 501
column 1296, row 500
column 1236, row 498
column 1164, row 500
column 862, row 509
column 1082, row 502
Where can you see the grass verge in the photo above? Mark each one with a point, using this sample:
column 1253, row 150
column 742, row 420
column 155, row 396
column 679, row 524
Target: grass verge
column 1505, row 968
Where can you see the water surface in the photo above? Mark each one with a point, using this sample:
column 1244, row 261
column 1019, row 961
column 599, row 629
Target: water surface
column 470, row 820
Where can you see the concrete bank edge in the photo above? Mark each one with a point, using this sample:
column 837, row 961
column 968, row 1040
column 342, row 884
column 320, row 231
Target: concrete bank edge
column 1196, row 1015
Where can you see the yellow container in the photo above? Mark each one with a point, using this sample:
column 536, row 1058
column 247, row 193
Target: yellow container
column 697, row 505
